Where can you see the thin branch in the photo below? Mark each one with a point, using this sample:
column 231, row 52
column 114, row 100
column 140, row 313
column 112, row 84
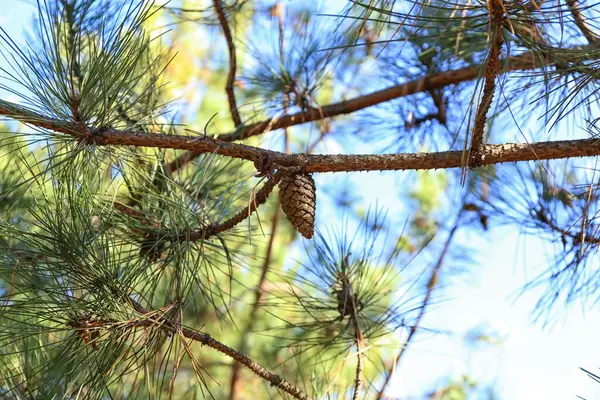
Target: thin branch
column 359, row 371
column 426, row 83
column 257, row 200
column 207, row 340
column 258, row 293
column 347, row 300
column 581, row 22
column 235, row 115
column 310, row 163
column 492, row 69
column 358, row 340
column 526, row 61
column 576, row 237
column 431, row 284
column 275, row 379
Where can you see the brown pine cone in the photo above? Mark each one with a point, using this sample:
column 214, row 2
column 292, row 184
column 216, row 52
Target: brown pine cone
column 299, row 200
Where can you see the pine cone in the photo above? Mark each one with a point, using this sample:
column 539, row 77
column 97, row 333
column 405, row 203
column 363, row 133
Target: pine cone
column 299, row 200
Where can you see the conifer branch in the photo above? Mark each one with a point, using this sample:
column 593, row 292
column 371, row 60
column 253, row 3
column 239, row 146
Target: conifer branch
column 235, row 115
column 492, row 68
column 577, row 238
column 359, row 371
column 89, row 88
column 310, row 163
column 258, row 293
column 440, row 80
column 358, row 341
column 431, row 284
column 257, row 200
column 581, row 22
column 207, row 340
column 524, row 62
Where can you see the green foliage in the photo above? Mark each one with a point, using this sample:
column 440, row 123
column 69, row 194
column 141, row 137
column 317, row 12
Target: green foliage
column 83, row 66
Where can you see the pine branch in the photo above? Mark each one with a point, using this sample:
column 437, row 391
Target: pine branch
column 526, row 61
column 310, row 163
column 431, row 284
column 207, row 340
column 258, row 293
column 73, row 47
column 257, row 200
column 577, row 238
column 358, row 340
column 581, row 22
column 347, row 305
column 235, row 115
column 359, row 371
column 492, row 68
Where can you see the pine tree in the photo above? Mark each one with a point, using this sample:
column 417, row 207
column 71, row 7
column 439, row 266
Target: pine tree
column 149, row 150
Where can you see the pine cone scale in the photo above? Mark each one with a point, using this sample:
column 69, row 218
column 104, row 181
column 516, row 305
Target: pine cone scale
column 298, row 201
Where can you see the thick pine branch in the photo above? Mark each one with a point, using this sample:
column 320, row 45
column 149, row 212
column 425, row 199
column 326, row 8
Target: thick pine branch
column 309, row 163
column 526, row 61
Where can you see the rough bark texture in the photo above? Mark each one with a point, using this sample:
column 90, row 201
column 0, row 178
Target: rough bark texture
column 490, row 153
column 492, row 69
column 525, row 61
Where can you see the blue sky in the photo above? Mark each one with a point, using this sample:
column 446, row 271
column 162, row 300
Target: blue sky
column 533, row 362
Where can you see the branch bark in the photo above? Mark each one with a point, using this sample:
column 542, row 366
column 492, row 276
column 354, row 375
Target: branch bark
column 310, row 163
column 235, row 115
column 526, row 61
column 581, row 22
column 207, row 340
column 492, row 68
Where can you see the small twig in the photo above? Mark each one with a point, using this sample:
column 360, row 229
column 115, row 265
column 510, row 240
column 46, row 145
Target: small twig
column 258, row 293
column 358, row 340
column 492, row 69
column 359, row 372
column 260, row 198
column 431, row 284
column 581, row 22
column 576, row 237
column 276, row 380
column 235, row 115
column 347, row 305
